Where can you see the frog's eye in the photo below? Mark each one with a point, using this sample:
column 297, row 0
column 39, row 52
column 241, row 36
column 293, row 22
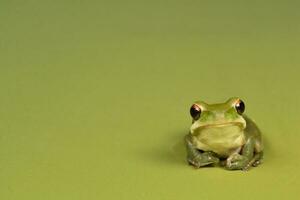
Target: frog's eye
column 240, row 106
column 195, row 111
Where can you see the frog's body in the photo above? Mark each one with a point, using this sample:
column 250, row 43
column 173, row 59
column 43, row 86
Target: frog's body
column 223, row 132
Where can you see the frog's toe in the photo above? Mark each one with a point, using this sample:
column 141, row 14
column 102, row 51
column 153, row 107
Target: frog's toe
column 247, row 167
column 210, row 157
column 258, row 158
column 256, row 163
column 196, row 163
column 252, row 163
column 213, row 160
column 239, row 163
column 203, row 160
column 234, row 166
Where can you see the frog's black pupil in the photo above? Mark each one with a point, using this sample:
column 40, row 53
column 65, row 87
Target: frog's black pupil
column 195, row 112
column 240, row 107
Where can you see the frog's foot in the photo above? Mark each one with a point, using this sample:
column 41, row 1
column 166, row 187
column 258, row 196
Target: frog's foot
column 203, row 159
column 256, row 163
column 257, row 159
column 237, row 162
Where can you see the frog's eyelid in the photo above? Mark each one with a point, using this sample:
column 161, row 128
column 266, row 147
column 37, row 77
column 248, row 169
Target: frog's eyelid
column 235, row 102
column 200, row 106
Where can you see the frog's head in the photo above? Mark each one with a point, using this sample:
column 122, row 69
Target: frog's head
column 222, row 120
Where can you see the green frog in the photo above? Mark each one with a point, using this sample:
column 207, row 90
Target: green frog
column 221, row 134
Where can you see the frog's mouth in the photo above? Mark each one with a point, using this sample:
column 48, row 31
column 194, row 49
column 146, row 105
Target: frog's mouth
column 220, row 125
column 196, row 128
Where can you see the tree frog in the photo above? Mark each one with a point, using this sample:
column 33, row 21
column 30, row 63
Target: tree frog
column 222, row 134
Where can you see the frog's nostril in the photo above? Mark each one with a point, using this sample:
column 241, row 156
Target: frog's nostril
column 219, row 116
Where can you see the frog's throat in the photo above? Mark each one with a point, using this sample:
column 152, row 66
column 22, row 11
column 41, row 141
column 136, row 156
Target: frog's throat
column 222, row 138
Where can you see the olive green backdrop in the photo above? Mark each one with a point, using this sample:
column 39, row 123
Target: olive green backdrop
column 95, row 96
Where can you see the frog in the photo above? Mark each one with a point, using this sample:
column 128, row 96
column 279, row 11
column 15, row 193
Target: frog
column 223, row 135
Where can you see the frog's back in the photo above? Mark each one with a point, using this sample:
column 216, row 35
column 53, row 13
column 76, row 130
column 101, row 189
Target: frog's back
column 253, row 131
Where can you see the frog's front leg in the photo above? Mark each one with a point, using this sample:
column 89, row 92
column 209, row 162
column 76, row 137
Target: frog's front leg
column 197, row 158
column 244, row 160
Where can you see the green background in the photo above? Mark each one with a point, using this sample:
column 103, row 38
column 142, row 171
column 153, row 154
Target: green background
column 95, row 96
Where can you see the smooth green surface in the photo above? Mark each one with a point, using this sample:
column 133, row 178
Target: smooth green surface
column 95, row 96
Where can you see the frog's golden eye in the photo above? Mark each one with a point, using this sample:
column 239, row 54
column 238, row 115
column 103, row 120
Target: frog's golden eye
column 240, row 106
column 195, row 111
